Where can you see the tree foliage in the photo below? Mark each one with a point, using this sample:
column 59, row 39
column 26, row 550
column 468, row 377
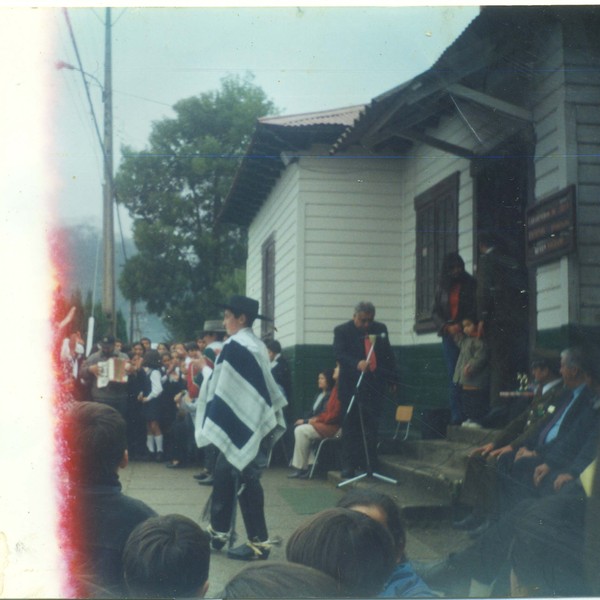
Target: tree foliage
column 174, row 190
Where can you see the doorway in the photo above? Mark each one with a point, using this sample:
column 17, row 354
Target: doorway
column 502, row 189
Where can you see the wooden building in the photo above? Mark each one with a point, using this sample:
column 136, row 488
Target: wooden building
column 362, row 203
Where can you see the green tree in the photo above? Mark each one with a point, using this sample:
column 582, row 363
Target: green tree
column 187, row 260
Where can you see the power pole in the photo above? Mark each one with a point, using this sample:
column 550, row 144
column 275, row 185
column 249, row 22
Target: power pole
column 108, row 297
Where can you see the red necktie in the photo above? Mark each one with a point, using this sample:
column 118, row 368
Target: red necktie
column 372, row 359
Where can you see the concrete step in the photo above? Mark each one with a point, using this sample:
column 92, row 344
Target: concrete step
column 470, row 436
column 417, row 504
column 436, row 453
column 424, row 492
column 428, row 473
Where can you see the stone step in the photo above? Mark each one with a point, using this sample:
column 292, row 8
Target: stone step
column 436, row 453
column 417, row 505
column 428, row 473
column 469, row 435
column 423, row 491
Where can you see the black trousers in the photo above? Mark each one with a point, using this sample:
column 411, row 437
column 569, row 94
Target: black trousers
column 231, row 485
column 554, row 521
column 368, row 399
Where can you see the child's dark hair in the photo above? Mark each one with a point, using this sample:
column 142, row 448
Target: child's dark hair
column 166, row 557
column 152, row 359
column 328, row 373
column 280, row 580
column 372, row 498
column 349, row 546
column 95, row 437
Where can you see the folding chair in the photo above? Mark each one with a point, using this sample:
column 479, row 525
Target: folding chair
column 404, row 415
column 336, row 438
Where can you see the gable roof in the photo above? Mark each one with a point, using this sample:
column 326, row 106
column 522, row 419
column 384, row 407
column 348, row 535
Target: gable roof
column 275, row 140
column 485, row 76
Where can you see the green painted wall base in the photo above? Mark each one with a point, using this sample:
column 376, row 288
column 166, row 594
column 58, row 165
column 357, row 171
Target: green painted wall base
column 568, row 335
column 423, row 382
column 422, row 378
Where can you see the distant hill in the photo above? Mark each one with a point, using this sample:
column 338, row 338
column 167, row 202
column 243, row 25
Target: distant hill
column 80, row 251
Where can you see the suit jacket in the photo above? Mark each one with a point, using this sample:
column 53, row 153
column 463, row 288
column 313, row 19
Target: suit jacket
column 349, row 350
column 282, row 375
column 531, row 421
column 577, row 436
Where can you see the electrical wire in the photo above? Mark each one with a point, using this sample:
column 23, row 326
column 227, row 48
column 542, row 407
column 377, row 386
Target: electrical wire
column 85, row 82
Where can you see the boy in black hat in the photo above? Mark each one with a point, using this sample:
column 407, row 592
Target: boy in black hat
column 239, row 406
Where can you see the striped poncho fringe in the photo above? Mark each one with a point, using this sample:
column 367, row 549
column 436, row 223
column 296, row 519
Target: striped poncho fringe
column 241, row 403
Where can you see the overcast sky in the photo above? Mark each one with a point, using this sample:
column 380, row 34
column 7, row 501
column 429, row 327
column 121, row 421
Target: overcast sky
column 306, row 59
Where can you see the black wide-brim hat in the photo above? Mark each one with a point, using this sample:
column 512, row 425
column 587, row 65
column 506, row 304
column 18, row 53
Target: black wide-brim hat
column 243, row 305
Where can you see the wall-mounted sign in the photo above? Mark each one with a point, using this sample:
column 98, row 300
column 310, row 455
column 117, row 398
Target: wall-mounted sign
column 551, row 227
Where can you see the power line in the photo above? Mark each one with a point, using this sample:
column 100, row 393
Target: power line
column 85, row 81
column 107, row 174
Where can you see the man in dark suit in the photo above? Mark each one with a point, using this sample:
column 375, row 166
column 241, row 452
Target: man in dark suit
column 480, row 481
column 564, row 447
column 351, row 343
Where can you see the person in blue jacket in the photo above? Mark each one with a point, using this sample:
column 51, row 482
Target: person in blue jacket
column 404, row 582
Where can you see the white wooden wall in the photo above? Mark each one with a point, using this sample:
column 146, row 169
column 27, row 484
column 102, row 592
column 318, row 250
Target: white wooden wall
column 583, row 109
column 278, row 216
column 352, row 234
column 567, row 124
column 345, row 225
column 551, row 173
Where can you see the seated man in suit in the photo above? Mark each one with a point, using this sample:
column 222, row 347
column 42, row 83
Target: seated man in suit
column 479, row 487
column 566, row 444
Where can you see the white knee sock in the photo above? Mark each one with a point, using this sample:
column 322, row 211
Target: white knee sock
column 150, row 442
column 158, row 440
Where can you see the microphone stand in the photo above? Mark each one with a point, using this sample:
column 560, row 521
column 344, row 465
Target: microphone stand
column 369, row 472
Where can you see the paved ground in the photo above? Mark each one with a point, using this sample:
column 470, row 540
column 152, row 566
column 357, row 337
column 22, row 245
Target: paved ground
column 176, row 491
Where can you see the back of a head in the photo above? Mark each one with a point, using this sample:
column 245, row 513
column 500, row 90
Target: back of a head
column 152, row 359
column 167, row 557
column 371, row 498
column 280, row 580
column 95, row 442
column 348, row 545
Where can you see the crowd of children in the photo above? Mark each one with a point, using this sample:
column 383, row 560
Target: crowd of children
column 163, row 382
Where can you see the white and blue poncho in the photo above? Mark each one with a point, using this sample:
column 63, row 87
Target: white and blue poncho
column 240, row 404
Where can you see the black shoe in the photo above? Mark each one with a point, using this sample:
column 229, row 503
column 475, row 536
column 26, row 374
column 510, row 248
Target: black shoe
column 201, row 476
column 250, row 551
column 207, row 481
column 347, row 473
column 299, row 474
column 479, row 531
column 178, row 465
column 470, row 522
column 217, row 539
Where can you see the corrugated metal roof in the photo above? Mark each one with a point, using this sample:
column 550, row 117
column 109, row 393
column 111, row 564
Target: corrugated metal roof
column 336, row 116
column 262, row 163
